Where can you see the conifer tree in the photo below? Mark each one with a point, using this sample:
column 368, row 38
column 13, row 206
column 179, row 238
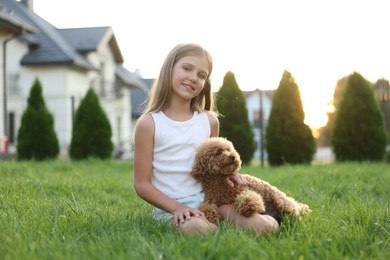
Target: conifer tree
column 288, row 138
column 36, row 136
column 326, row 132
column 234, row 122
column 359, row 132
column 91, row 134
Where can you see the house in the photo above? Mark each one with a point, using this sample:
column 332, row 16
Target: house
column 10, row 26
column 258, row 104
column 139, row 98
column 67, row 62
column 382, row 94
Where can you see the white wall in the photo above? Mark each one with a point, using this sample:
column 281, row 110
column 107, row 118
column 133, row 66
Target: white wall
column 253, row 105
column 14, row 52
column 59, row 84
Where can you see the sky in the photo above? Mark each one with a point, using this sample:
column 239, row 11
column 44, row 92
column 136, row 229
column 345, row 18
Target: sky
column 317, row 41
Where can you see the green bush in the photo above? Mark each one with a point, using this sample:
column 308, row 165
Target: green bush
column 234, row 122
column 36, row 136
column 288, row 138
column 91, row 135
column 387, row 156
column 359, row 132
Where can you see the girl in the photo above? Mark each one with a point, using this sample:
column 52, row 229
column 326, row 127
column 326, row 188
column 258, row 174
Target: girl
column 178, row 117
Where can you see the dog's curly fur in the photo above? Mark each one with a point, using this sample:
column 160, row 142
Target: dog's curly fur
column 215, row 159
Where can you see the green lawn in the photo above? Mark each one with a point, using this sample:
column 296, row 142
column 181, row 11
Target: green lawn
column 89, row 210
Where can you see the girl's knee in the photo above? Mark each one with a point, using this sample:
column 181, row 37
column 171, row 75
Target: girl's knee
column 270, row 225
column 261, row 224
column 258, row 223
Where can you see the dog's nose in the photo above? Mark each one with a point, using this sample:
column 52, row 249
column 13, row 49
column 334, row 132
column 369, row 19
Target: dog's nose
column 232, row 158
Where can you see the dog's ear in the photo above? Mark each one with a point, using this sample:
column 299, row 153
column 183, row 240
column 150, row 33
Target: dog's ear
column 197, row 169
column 201, row 164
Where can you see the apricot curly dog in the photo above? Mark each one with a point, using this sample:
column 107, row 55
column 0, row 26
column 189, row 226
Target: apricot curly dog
column 215, row 159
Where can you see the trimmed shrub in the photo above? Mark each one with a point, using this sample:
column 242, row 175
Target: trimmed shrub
column 288, row 138
column 234, row 122
column 36, row 136
column 359, row 132
column 91, row 134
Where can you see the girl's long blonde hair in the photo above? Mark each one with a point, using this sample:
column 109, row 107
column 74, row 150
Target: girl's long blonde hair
column 162, row 86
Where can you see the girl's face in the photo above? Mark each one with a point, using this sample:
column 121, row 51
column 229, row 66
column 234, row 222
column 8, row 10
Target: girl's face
column 189, row 76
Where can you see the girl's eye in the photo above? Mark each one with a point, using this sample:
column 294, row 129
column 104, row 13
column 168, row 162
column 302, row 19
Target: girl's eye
column 201, row 76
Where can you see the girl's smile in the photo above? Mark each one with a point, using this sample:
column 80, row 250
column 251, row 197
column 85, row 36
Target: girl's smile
column 189, row 76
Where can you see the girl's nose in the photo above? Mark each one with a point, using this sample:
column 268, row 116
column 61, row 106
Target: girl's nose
column 193, row 78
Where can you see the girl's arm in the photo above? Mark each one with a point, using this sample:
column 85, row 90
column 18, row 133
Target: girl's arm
column 143, row 156
column 214, row 124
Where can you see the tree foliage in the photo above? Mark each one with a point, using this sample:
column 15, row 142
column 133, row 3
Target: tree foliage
column 288, row 138
column 37, row 138
column 91, row 135
column 326, row 132
column 359, row 132
column 234, row 122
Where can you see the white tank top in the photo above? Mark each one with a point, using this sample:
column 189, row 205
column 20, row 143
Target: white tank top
column 175, row 144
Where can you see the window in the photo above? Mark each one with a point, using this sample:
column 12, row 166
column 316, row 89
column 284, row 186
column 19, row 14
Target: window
column 13, row 84
column 11, row 125
column 119, row 125
column 257, row 117
column 102, row 80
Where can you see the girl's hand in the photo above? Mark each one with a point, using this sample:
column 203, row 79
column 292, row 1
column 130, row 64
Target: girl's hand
column 235, row 178
column 184, row 213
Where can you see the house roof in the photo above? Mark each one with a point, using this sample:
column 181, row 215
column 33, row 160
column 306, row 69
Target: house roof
column 128, row 78
column 12, row 23
column 50, row 46
column 89, row 39
column 139, row 97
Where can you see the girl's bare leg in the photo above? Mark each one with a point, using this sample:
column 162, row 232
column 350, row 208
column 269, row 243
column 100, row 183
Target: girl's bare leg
column 197, row 225
column 258, row 223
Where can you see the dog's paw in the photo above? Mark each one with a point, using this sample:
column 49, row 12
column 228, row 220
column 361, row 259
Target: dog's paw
column 299, row 211
column 249, row 202
column 247, row 210
column 210, row 211
column 304, row 210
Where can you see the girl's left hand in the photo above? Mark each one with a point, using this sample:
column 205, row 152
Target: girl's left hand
column 184, row 213
column 235, row 178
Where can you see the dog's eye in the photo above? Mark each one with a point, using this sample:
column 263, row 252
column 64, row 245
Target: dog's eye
column 218, row 152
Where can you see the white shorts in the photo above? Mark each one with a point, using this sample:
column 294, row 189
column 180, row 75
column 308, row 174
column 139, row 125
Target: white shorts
column 192, row 201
